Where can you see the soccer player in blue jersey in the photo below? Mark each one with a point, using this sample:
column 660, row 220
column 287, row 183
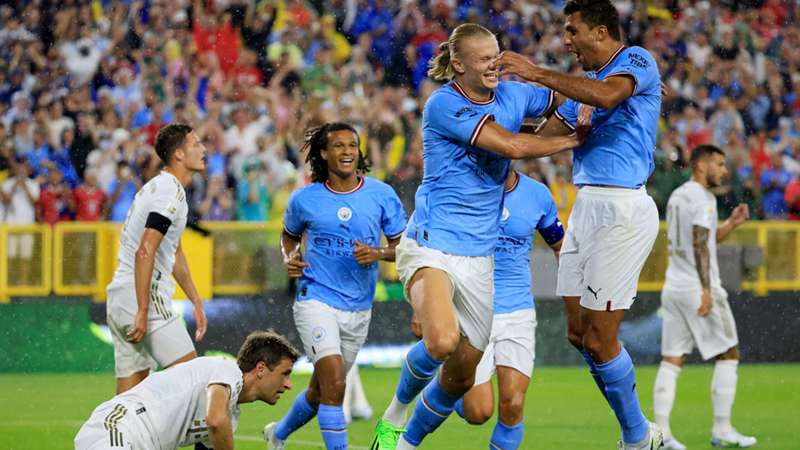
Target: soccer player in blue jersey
column 528, row 207
column 342, row 214
column 444, row 259
column 614, row 222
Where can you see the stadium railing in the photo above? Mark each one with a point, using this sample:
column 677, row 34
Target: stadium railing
column 243, row 258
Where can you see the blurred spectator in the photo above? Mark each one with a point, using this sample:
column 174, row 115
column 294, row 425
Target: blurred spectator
column 218, row 203
column 773, row 183
column 55, row 199
column 121, row 192
column 792, row 199
column 19, row 195
column 252, row 198
column 89, row 199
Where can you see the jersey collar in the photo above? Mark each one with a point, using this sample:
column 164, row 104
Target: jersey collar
column 611, row 59
column 358, row 186
column 516, row 183
column 457, row 87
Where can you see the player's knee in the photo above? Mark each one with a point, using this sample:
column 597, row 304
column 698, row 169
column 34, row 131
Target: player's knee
column 511, row 407
column 593, row 345
column 477, row 414
column 575, row 339
column 442, row 345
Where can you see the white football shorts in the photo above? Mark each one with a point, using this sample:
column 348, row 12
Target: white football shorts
column 471, row 279
column 683, row 328
column 166, row 340
column 512, row 344
column 609, row 237
column 327, row 331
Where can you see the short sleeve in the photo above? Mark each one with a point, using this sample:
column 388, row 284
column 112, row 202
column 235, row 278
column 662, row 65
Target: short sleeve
column 294, row 221
column 226, row 373
column 166, row 200
column 454, row 119
column 538, row 100
column 550, row 213
column 393, row 221
column 703, row 215
column 639, row 65
column 568, row 113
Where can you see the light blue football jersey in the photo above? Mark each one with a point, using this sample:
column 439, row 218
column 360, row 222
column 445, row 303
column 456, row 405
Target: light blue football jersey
column 333, row 221
column 619, row 149
column 458, row 204
column 528, row 207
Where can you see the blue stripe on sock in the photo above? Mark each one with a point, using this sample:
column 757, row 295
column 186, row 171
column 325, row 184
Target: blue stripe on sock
column 417, row 371
column 299, row 414
column 620, row 381
column 505, row 437
column 333, row 426
column 431, row 410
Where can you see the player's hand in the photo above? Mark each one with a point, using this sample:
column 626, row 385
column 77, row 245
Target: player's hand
column 139, row 329
column 201, row 321
column 295, row 265
column 584, row 124
column 512, row 63
column 365, row 254
column 705, row 304
column 740, row 214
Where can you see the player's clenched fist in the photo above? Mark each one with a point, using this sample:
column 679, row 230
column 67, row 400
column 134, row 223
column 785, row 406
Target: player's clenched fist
column 295, row 266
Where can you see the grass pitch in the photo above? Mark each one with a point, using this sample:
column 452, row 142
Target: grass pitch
column 563, row 410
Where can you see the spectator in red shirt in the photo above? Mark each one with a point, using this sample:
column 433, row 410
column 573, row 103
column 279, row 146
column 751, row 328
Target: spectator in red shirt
column 55, row 198
column 90, row 200
column 791, row 197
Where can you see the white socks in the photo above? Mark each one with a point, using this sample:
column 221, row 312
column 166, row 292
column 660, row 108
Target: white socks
column 723, row 392
column 359, row 397
column 664, row 395
column 396, row 413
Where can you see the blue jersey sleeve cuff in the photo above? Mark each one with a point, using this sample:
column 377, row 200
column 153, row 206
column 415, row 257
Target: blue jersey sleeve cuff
column 553, row 233
column 477, row 131
column 292, row 233
column 396, row 235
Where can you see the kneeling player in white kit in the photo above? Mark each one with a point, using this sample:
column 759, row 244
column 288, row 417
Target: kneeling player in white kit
column 696, row 310
column 528, row 207
column 145, row 331
column 193, row 402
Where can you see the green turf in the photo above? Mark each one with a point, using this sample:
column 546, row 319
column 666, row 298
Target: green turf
column 563, row 410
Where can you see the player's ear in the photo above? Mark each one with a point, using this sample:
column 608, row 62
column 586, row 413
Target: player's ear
column 458, row 66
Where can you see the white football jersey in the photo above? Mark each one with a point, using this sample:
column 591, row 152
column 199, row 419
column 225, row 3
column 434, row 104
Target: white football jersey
column 690, row 204
column 175, row 400
column 164, row 195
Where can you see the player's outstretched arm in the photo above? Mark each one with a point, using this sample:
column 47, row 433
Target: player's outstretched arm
column 220, row 432
column 606, row 93
column 143, row 274
column 497, row 139
column 739, row 216
column 180, row 270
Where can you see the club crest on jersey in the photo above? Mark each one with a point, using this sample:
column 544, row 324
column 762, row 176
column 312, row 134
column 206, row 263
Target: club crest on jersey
column 344, row 214
column 505, row 214
column 318, row 334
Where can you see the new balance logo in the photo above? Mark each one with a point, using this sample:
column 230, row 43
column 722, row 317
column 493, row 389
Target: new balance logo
column 593, row 291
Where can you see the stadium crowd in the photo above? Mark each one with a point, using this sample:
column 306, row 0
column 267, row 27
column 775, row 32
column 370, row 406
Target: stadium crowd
column 85, row 85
